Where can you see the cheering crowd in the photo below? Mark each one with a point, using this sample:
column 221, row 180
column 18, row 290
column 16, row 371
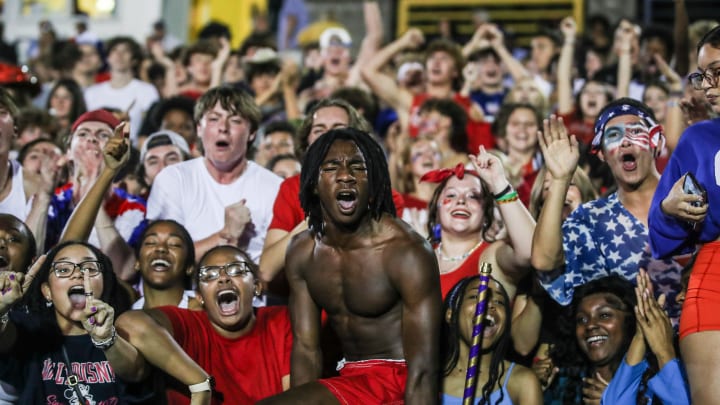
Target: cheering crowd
column 190, row 223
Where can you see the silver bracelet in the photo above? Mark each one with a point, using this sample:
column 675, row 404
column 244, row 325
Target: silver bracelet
column 107, row 343
column 4, row 319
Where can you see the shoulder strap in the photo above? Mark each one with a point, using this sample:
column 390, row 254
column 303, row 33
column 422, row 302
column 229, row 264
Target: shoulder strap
column 507, row 376
column 72, row 379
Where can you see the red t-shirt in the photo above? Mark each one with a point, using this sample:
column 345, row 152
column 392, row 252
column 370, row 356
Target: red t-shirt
column 468, row 268
column 583, row 131
column 287, row 211
column 246, row 369
column 414, row 202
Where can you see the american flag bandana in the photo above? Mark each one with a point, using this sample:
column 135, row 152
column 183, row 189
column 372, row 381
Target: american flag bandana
column 655, row 130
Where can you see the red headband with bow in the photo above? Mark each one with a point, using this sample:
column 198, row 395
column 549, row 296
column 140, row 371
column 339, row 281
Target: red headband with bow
column 439, row 175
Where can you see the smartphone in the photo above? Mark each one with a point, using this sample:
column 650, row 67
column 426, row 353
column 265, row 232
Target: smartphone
column 691, row 186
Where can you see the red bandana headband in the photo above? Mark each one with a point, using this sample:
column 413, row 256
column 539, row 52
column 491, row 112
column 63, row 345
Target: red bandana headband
column 439, row 175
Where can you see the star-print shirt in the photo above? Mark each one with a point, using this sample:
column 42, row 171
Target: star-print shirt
column 601, row 238
column 126, row 210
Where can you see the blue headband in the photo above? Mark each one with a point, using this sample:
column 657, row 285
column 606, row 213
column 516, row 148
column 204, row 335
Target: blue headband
column 657, row 138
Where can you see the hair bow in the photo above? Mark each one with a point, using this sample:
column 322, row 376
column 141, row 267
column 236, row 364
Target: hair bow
column 439, row 175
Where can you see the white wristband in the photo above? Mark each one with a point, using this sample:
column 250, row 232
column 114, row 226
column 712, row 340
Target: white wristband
column 206, row 385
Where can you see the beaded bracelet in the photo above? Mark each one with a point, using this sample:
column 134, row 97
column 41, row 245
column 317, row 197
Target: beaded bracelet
column 509, row 197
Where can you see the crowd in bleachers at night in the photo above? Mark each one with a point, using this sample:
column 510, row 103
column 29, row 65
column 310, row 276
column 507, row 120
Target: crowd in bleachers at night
column 197, row 223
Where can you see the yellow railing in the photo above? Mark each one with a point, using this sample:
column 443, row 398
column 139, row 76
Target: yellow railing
column 522, row 17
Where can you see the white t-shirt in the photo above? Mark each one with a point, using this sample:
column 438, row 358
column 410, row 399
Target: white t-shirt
column 143, row 94
column 188, row 194
column 16, row 203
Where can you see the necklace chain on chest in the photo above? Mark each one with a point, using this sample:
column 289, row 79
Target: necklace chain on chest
column 443, row 257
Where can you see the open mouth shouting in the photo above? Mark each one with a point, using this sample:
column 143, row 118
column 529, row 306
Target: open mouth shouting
column 228, row 302
column 629, row 162
column 4, row 263
column 490, row 326
column 347, row 201
column 77, row 296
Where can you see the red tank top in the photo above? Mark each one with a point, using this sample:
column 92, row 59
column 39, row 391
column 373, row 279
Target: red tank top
column 469, row 267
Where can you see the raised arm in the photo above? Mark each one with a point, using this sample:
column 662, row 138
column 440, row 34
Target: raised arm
column 385, row 86
column 513, row 258
column 115, row 153
column 14, row 286
column 89, row 212
column 306, row 356
column 216, row 67
column 624, row 72
column 674, row 120
column 565, row 63
column 41, row 187
column 151, row 333
column 415, row 275
column 680, row 34
column 372, row 41
column 561, row 155
column 497, row 41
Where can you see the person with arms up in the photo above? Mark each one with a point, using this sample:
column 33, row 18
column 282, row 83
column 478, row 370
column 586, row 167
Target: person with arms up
column 608, row 235
column 376, row 279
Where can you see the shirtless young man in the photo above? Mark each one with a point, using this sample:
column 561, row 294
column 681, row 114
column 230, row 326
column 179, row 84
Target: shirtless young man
column 375, row 278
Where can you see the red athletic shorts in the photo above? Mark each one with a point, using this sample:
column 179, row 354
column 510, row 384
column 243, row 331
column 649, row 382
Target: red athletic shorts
column 701, row 310
column 369, row 382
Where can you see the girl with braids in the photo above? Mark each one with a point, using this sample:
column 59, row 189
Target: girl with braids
column 499, row 381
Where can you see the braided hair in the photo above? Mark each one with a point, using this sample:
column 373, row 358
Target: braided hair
column 378, row 178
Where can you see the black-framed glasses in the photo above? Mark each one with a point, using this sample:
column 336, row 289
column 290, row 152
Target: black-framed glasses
column 234, row 269
column 711, row 75
column 64, row 268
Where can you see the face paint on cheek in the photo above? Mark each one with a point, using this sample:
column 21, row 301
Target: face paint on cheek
column 446, row 201
column 635, row 133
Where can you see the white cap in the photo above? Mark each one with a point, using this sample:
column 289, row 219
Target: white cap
column 164, row 137
column 263, row 55
column 335, row 36
column 406, row 67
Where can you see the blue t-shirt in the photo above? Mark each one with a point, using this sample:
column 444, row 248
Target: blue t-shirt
column 698, row 152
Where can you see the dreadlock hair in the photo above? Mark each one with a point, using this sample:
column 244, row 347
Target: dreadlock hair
column 378, row 177
column 188, row 245
column 450, row 336
column 112, row 293
column 486, row 199
column 573, row 363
